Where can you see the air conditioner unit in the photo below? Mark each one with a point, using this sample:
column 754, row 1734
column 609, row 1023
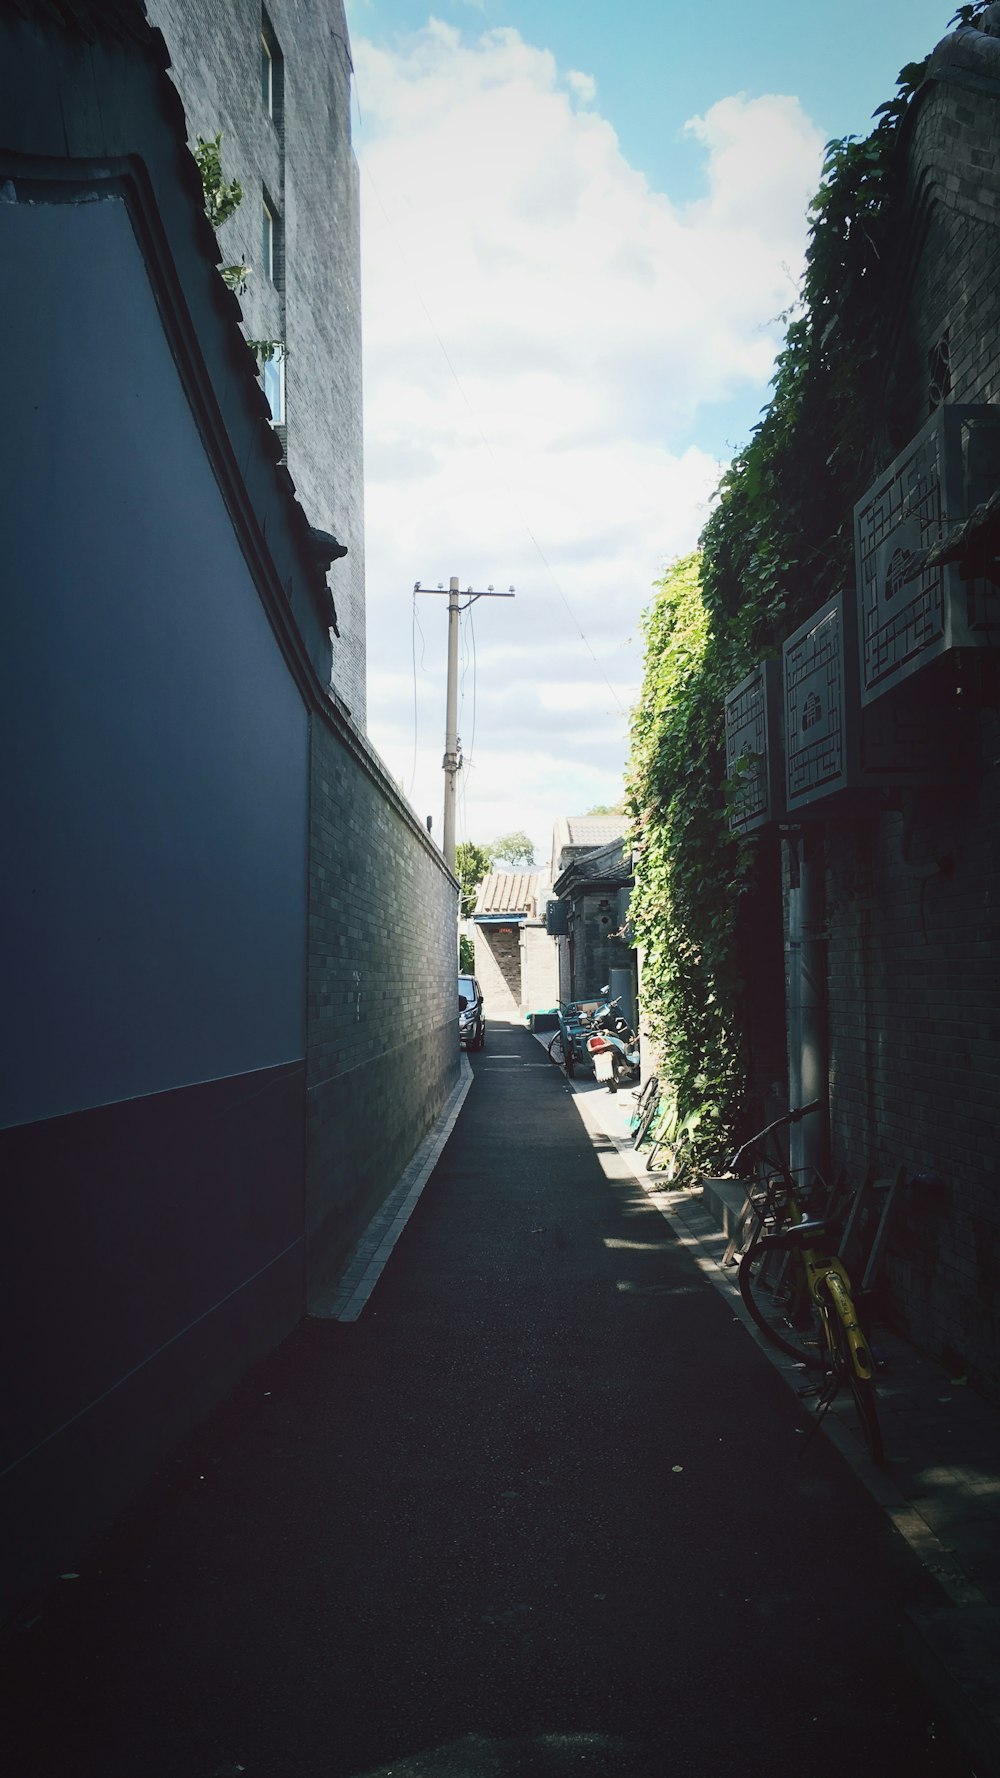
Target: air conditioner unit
column 557, row 918
column 951, row 466
column 834, row 747
column 754, row 751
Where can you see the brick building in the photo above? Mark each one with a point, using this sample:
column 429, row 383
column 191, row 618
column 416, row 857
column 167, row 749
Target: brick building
column 276, row 81
column 595, row 947
column 515, row 959
column 591, row 879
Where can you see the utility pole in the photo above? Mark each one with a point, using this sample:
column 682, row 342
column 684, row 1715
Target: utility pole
column 452, row 745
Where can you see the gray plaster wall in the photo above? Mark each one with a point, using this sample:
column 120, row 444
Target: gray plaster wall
column 166, row 721
column 152, row 903
column 156, row 809
column 308, row 170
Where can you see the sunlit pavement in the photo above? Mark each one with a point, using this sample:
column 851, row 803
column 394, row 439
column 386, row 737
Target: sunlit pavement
column 539, row 1510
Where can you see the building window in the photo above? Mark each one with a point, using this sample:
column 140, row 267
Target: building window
column 266, row 77
column 273, row 378
column 267, row 240
column 272, row 71
column 939, row 371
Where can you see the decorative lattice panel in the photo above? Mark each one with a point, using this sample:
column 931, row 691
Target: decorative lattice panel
column 753, row 749
column 952, row 465
column 816, row 736
column 833, row 744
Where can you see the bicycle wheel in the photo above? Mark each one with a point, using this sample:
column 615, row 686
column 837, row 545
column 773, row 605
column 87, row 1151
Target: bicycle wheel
column 862, row 1388
column 775, row 1291
column 647, row 1112
column 556, row 1050
column 655, row 1148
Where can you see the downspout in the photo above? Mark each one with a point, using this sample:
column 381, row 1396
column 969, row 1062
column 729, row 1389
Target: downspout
column 807, row 1045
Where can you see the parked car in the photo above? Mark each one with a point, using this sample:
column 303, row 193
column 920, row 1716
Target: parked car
column 471, row 1017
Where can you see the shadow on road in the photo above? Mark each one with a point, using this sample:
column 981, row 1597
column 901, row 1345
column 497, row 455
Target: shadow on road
column 537, row 1512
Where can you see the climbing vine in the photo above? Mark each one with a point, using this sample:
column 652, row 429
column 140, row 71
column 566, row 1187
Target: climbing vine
column 777, row 544
column 689, row 869
column 223, row 198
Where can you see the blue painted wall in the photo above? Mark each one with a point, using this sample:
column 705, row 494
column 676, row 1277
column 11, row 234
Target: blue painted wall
column 155, row 833
column 153, row 896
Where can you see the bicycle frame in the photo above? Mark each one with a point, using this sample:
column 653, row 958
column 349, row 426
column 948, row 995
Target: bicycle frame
column 826, row 1277
column 843, row 1352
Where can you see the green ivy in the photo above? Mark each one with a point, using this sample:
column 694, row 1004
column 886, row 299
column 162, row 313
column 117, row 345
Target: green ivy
column 689, row 870
column 222, row 197
column 222, row 200
column 778, row 543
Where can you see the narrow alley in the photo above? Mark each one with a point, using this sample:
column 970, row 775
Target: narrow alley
column 540, row 1510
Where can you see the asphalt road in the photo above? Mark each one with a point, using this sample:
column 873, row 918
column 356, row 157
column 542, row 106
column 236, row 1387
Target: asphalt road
column 540, row 1511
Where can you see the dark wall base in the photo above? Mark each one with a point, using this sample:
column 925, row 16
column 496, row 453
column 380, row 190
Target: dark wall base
column 365, row 1127
column 154, row 1250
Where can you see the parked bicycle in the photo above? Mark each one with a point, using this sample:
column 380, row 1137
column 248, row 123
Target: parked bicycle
column 794, row 1285
column 647, row 1105
column 568, row 1046
column 658, row 1121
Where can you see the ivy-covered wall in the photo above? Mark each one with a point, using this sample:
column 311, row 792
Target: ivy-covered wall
column 913, row 976
column 900, row 312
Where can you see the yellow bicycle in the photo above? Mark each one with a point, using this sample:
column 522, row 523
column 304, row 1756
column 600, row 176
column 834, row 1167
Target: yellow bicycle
column 795, row 1286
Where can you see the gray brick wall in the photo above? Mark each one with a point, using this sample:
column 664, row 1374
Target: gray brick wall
column 382, row 1007
column 914, row 1034
column 539, row 969
column 914, row 937
column 593, row 921
column 306, row 166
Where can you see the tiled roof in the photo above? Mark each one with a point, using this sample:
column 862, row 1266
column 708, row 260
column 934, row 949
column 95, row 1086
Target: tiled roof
column 575, row 834
column 508, row 892
column 591, row 830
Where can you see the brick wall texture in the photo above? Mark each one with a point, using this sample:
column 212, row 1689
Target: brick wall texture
column 301, row 161
column 498, row 968
column 913, row 892
column 539, row 969
column 593, row 920
column 382, row 1053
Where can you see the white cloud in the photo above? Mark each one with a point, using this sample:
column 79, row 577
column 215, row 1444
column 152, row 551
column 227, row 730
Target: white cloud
column 542, row 331
column 584, row 85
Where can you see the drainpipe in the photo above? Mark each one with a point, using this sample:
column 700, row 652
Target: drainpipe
column 807, row 1055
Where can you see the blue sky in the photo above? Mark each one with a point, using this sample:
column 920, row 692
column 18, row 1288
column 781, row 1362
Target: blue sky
column 656, row 62
column 579, row 225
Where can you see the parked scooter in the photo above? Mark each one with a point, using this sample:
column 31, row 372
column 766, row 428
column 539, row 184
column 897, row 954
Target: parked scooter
column 613, row 1046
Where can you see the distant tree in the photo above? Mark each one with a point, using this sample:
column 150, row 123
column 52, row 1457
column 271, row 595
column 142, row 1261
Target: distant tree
column 472, row 864
column 466, row 955
column 513, row 848
column 607, row 809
